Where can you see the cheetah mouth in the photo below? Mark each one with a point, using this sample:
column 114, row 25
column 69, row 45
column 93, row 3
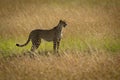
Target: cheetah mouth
column 65, row 25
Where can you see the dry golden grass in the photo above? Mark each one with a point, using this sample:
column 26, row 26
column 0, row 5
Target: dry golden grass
column 92, row 26
column 69, row 66
column 84, row 18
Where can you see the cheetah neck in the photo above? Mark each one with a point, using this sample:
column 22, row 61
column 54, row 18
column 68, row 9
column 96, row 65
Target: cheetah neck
column 59, row 27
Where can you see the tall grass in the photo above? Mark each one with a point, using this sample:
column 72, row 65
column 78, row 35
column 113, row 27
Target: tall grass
column 70, row 66
column 19, row 19
column 92, row 34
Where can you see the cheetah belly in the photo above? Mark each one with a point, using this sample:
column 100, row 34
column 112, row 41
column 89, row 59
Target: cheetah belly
column 48, row 39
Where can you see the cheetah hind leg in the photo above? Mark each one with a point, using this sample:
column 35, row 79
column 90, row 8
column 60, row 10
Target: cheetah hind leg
column 35, row 45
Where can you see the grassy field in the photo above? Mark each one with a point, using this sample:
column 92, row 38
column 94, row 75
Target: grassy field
column 71, row 66
column 89, row 49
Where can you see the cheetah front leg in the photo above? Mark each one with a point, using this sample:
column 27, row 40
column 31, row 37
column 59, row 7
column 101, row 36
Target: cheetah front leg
column 58, row 44
column 54, row 46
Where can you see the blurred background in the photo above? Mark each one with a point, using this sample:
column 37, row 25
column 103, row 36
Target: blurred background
column 92, row 24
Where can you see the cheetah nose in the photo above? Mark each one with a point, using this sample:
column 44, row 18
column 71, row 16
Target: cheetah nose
column 65, row 25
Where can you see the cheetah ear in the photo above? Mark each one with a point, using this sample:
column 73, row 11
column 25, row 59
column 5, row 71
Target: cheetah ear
column 60, row 21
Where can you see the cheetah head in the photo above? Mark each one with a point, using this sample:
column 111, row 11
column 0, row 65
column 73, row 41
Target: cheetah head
column 63, row 23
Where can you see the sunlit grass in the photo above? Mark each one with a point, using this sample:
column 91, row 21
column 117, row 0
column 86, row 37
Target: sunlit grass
column 110, row 45
column 72, row 65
